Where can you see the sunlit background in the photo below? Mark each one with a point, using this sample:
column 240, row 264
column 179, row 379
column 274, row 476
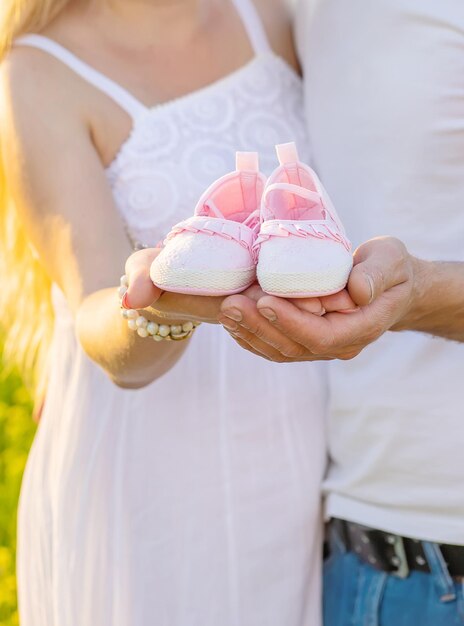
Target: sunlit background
column 16, row 433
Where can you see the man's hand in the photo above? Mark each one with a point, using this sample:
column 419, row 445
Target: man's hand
column 382, row 289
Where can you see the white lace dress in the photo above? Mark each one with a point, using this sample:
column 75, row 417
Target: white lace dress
column 193, row 501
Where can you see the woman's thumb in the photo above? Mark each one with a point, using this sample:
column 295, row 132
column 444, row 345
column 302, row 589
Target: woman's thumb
column 141, row 292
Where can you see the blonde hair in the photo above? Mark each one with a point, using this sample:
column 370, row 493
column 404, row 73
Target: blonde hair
column 25, row 303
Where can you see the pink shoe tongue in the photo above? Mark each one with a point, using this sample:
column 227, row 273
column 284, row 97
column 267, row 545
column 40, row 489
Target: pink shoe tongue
column 310, row 213
column 294, row 202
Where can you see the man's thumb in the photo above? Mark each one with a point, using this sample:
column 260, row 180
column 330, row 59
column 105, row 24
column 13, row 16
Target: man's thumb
column 379, row 264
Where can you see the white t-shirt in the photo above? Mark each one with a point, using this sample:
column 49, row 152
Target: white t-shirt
column 385, row 110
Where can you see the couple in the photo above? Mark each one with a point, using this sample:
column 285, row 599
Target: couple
column 179, row 483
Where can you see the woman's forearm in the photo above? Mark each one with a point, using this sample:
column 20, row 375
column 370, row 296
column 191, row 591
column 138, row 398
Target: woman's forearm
column 130, row 361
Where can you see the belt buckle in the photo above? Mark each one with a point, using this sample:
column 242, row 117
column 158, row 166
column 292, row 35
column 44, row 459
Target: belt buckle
column 400, row 560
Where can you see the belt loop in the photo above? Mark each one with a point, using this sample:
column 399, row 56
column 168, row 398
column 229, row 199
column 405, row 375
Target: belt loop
column 439, row 571
column 336, row 536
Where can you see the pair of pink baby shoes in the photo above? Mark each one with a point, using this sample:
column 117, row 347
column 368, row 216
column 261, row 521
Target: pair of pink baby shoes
column 283, row 231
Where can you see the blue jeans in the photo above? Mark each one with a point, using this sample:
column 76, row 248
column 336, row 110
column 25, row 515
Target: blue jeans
column 356, row 594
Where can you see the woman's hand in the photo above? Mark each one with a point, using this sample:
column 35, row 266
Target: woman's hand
column 142, row 294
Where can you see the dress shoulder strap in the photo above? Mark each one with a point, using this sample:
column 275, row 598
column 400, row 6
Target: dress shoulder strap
column 253, row 25
column 121, row 96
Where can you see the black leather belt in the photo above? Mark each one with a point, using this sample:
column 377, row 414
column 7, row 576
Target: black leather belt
column 394, row 554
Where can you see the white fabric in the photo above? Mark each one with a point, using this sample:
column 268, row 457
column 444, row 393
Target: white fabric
column 385, row 93
column 194, row 501
column 253, row 25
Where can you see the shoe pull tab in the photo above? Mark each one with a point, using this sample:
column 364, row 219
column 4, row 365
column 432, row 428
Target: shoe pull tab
column 288, row 157
column 247, row 162
column 287, row 153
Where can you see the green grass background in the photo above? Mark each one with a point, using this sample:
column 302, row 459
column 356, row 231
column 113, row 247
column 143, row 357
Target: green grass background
column 16, row 433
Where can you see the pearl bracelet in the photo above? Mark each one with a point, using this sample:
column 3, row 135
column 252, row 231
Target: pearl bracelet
column 145, row 328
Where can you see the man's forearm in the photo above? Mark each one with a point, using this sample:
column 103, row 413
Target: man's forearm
column 437, row 305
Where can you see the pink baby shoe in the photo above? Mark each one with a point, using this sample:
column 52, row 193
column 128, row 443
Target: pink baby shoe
column 302, row 247
column 211, row 253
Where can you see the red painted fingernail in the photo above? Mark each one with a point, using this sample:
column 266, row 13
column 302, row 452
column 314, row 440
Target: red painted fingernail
column 125, row 302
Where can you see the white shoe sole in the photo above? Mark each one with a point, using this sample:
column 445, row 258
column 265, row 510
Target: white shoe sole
column 304, row 285
column 205, row 283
